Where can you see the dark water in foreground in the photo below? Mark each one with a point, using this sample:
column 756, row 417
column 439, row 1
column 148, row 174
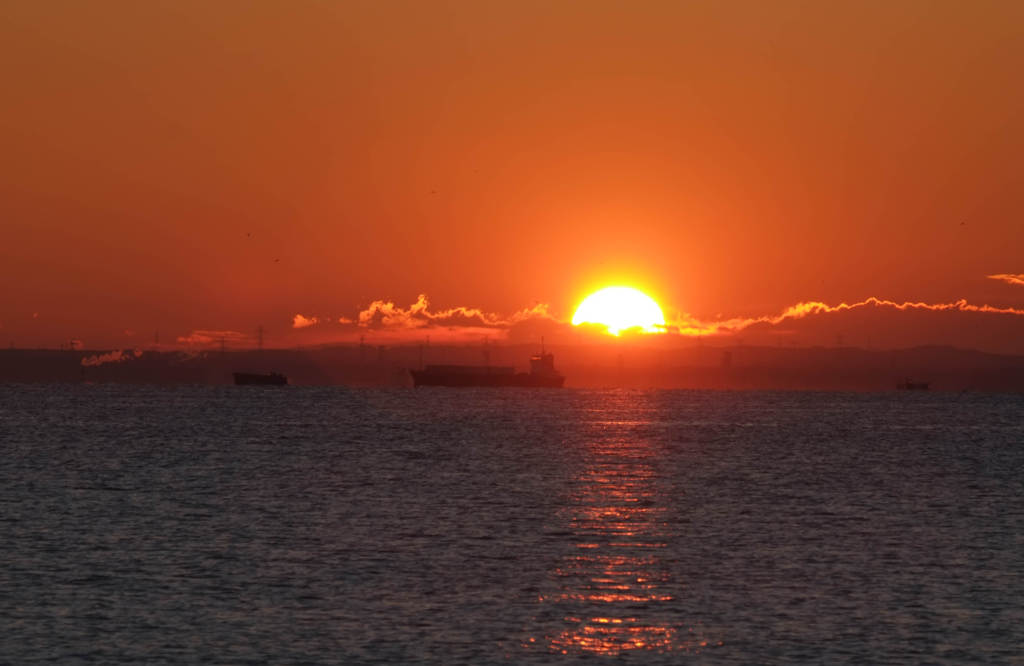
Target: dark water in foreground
column 249, row 525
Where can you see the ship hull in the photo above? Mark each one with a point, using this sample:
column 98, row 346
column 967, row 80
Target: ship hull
column 466, row 380
column 256, row 379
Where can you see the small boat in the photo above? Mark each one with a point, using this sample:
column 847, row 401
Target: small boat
column 907, row 385
column 259, row 379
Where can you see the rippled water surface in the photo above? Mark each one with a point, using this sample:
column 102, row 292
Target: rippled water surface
column 329, row 525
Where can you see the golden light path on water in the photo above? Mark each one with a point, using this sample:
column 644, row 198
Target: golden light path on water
column 616, row 592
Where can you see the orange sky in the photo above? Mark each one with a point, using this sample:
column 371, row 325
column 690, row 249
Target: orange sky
column 213, row 166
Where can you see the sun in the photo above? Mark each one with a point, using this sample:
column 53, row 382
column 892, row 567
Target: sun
column 619, row 309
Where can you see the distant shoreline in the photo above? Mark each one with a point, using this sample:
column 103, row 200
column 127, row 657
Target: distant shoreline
column 730, row 368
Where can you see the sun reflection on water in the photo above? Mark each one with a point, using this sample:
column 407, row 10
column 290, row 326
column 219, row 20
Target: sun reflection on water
column 615, row 591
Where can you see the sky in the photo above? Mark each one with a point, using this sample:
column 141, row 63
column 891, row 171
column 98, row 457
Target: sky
column 203, row 168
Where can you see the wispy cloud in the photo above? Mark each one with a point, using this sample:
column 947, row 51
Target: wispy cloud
column 117, row 356
column 1009, row 278
column 807, row 308
column 387, row 320
column 385, row 314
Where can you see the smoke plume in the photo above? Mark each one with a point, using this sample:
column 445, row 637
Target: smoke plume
column 116, row 356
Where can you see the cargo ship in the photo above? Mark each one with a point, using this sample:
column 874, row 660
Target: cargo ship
column 259, row 379
column 542, row 374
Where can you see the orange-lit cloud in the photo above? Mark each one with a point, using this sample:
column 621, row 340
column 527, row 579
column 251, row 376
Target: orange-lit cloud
column 1009, row 278
column 398, row 323
column 205, row 338
column 116, row 356
column 385, row 319
column 800, row 310
column 385, row 314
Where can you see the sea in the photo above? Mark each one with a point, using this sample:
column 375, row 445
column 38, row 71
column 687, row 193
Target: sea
column 301, row 525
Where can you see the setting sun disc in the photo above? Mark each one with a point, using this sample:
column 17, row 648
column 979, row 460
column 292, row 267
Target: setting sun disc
column 620, row 309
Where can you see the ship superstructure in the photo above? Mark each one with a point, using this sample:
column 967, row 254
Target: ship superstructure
column 542, row 374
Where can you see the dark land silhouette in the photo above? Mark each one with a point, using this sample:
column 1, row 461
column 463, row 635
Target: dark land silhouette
column 594, row 366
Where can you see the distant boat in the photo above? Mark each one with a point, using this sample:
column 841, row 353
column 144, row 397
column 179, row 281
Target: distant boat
column 542, row 374
column 907, row 385
column 259, row 379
